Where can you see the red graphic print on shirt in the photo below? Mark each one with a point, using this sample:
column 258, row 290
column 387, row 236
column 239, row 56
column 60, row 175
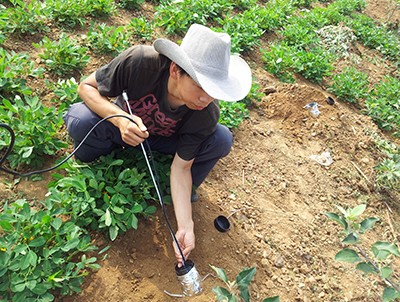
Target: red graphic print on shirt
column 148, row 110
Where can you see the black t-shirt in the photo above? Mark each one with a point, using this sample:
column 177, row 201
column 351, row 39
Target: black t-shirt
column 144, row 73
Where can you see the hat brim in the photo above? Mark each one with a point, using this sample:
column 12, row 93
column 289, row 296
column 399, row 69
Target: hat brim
column 233, row 88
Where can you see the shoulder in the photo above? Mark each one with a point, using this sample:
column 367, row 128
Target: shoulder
column 144, row 55
column 213, row 110
column 206, row 118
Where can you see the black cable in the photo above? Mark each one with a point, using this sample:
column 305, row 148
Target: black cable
column 10, row 147
column 151, row 168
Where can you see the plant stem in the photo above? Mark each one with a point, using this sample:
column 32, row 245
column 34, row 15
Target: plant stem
column 376, row 267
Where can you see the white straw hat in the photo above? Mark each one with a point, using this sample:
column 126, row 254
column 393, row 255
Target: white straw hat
column 206, row 56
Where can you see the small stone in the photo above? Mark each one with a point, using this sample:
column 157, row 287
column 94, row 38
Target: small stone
column 269, row 90
column 365, row 160
column 279, row 262
column 264, row 262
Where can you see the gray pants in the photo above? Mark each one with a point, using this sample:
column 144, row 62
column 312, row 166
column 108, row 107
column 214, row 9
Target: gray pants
column 106, row 137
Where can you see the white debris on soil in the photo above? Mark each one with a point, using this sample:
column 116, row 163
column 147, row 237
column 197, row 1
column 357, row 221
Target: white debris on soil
column 337, row 39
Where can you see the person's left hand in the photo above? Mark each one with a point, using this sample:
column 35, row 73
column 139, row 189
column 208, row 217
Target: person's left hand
column 186, row 241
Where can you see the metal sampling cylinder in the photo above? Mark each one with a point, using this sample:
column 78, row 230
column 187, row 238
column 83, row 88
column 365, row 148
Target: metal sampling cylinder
column 189, row 278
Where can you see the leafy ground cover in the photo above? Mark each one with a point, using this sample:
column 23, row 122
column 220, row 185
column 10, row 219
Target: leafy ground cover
column 272, row 182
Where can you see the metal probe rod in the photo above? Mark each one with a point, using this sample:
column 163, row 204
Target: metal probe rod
column 126, row 99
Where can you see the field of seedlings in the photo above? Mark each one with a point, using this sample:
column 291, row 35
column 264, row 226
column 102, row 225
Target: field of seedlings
column 311, row 186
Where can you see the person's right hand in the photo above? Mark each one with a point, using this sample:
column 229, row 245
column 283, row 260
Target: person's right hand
column 133, row 133
column 186, row 240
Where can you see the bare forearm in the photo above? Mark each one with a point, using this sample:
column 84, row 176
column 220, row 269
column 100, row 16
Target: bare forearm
column 99, row 104
column 181, row 185
column 181, row 188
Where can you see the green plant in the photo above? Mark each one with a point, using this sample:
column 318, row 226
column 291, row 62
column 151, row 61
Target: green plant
column 100, row 8
column 243, row 28
column 14, row 69
column 232, row 113
column 107, row 195
column 64, row 56
column 375, row 36
column 237, row 288
column 347, row 7
column 141, row 28
column 177, row 16
column 388, row 173
column 299, row 33
column 65, row 90
column 130, row 4
column 313, row 63
column 41, row 253
column 108, row 39
column 24, row 17
column 36, row 128
column 350, row 85
column 381, row 252
column 382, row 105
column 388, row 170
column 279, row 61
column 68, row 13
column 275, row 14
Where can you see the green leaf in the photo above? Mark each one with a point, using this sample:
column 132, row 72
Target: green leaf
column 386, row 272
column 150, row 210
column 243, row 281
column 113, row 231
column 245, row 276
column 17, row 288
column 342, row 210
column 27, row 151
column 352, row 238
column 347, row 255
column 39, row 241
column 222, row 294
column 366, row 267
column 382, row 249
column 107, row 218
column 105, row 249
column 31, row 284
column 117, row 162
column 117, row 210
column 30, row 259
column 137, row 208
column 390, row 294
column 133, row 221
column 368, row 224
column 56, row 223
column 40, row 288
column 71, row 244
column 358, row 210
column 46, row 219
column 78, row 184
column 220, row 273
column 272, row 299
column 337, row 218
column 6, row 226
column 54, row 276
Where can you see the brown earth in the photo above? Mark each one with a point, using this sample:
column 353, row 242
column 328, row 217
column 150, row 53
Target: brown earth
column 277, row 196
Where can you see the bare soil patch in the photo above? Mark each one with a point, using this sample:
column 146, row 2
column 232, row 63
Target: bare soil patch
column 281, row 194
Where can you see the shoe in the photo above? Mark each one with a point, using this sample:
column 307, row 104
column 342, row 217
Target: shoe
column 194, row 197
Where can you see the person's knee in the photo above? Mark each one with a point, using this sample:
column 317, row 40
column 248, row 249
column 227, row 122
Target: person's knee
column 78, row 121
column 224, row 140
